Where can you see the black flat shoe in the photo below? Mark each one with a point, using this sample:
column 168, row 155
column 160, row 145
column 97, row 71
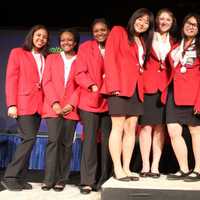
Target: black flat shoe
column 154, row 175
column 144, row 174
column 125, row 178
column 134, row 178
column 85, row 190
column 25, row 185
column 192, row 177
column 58, row 187
column 46, row 187
column 180, row 175
column 11, row 184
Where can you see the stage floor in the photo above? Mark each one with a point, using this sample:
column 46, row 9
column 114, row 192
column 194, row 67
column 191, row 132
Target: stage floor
column 71, row 191
column 143, row 189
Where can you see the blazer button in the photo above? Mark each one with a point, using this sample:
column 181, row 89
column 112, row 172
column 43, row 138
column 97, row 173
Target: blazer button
column 38, row 85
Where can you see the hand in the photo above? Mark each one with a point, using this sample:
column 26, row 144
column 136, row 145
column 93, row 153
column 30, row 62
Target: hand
column 94, row 88
column 115, row 93
column 196, row 112
column 67, row 109
column 12, row 112
column 57, row 108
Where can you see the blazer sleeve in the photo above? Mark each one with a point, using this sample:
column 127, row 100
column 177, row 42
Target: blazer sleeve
column 74, row 99
column 112, row 68
column 82, row 76
column 12, row 78
column 48, row 87
column 197, row 101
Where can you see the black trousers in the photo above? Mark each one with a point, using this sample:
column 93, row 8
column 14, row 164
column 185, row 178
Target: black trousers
column 59, row 149
column 92, row 123
column 28, row 126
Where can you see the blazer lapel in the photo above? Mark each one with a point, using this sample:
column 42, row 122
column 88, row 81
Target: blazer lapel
column 98, row 61
column 33, row 64
column 60, row 67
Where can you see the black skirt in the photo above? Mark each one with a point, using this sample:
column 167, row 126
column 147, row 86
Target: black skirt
column 154, row 111
column 125, row 106
column 180, row 114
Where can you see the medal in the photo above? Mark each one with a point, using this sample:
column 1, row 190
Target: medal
column 183, row 69
column 162, row 66
column 141, row 70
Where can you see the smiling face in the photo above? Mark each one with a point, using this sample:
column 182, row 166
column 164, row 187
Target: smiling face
column 67, row 41
column 100, row 32
column 40, row 38
column 141, row 24
column 164, row 22
column 190, row 28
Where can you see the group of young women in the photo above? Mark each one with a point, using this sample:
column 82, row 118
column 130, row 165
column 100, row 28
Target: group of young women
column 141, row 74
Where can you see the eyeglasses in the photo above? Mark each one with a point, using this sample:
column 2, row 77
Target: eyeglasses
column 191, row 24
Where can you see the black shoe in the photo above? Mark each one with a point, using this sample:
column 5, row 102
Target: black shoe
column 25, row 185
column 11, row 184
column 144, row 174
column 59, row 187
column 85, row 190
column 125, row 178
column 46, row 187
column 192, row 177
column 154, row 175
column 134, row 178
column 180, row 175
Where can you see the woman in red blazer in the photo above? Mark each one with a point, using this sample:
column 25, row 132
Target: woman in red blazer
column 93, row 107
column 24, row 97
column 183, row 100
column 156, row 75
column 59, row 110
column 126, row 53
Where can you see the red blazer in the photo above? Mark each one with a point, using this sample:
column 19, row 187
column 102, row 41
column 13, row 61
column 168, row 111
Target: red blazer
column 22, row 83
column 155, row 78
column 186, row 85
column 122, row 65
column 89, row 71
column 55, row 90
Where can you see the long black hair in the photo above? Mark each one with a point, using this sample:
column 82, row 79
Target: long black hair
column 28, row 42
column 148, row 35
column 197, row 37
column 75, row 34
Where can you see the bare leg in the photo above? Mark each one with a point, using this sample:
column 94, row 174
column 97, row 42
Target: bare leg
column 128, row 142
column 179, row 146
column 115, row 145
column 195, row 133
column 158, row 143
column 145, row 146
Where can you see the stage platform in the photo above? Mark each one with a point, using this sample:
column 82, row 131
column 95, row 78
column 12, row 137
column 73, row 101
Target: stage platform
column 35, row 177
column 71, row 192
column 151, row 189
